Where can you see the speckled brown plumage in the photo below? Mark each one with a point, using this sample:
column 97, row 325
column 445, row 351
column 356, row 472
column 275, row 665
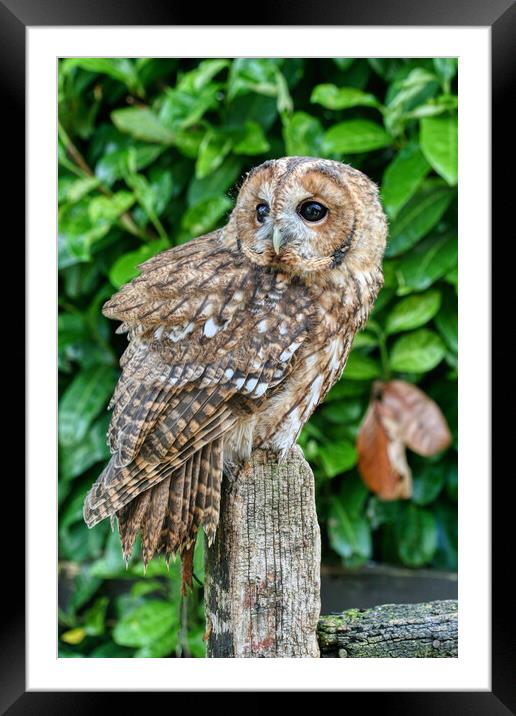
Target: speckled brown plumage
column 234, row 338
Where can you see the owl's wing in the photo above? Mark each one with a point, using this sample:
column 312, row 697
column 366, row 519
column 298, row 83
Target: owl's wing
column 210, row 336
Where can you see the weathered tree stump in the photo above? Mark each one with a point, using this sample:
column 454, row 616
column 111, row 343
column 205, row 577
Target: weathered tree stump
column 263, row 570
column 392, row 631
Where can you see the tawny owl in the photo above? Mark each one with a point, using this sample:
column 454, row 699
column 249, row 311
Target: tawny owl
column 234, row 338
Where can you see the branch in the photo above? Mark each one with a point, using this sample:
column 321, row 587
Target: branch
column 392, row 631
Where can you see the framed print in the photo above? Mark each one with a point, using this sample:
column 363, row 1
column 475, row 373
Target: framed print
column 140, row 136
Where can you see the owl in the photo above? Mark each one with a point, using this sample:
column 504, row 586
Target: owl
column 233, row 340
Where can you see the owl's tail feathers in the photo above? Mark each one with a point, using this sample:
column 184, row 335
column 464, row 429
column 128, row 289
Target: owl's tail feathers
column 169, row 513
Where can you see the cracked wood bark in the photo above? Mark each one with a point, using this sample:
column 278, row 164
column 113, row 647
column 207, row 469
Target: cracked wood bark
column 263, row 570
column 392, row 631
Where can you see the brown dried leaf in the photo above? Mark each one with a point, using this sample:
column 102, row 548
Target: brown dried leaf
column 381, row 456
column 421, row 424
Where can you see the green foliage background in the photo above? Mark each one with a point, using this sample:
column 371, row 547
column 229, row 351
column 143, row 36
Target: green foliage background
column 151, row 152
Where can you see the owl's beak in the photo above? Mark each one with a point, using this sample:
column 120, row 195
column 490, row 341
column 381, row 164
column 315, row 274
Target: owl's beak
column 277, row 240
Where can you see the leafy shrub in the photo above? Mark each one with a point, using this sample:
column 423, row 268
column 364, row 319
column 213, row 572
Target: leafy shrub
column 151, row 152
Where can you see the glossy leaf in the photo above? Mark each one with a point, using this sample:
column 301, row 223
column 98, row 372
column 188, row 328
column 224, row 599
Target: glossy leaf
column 417, row 537
column 145, row 624
column 439, row 143
column 418, row 217
column 428, row 262
column 413, row 312
column 361, row 367
column 126, row 267
column 303, row 135
column 338, row 457
column 199, row 219
column 402, row 178
column 214, row 148
column 348, row 535
column 417, row 352
column 143, row 124
column 355, row 136
column 335, row 98
column 119, row 68
column 83, row 400
column 253, row 140
column 81, row 455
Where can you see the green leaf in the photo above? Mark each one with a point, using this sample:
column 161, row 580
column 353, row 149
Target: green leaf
column 216, row 184
column 252, row 107
column 95, row 617
column 93, row 448
column 426, row 263
column 439, row 143
column 413, row 312
column 447, row 323
column 84, row 587
column 201, row 76
column 405, row 94
column 163, row 646
column 446, row 67
column 349, row 535
column 262, row 76
column 361, row 367
column 303, row 135
column 108, row 650
column 365, row 339
column 348, row 389
column 355, row 136
column 446, row 554
column 434, row 106
column 144, row 625
column 199, row 219
column 253, row 141
column 140, row 589
column 77, row 233
column 418, row 217
column 212, row 152
column 114, row 165
column 338, row 457
column 125, row 267
column 452, row 483
column 118, row 68
column 181, row 109
column 343, row 63
column 335, row 98
column 106, row 209
column 353, row 494
column 417, row 537
column 143, row 124
column 152, row 195
column 417, row 352
column 73, row 333
column 402, row 178
column 82, row 401
column 188, row 141
column 71, row 190
column 427, row 482
column 343, row 411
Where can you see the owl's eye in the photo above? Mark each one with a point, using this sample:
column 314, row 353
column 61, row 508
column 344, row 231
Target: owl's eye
column 312, row 211
column 262, row 211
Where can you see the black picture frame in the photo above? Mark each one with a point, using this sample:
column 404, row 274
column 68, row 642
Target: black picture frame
column 15, row 17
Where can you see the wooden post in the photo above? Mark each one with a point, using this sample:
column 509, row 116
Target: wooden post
column 263, row 570
column 427, row 630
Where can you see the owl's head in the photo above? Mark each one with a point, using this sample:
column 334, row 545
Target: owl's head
column 305, row 215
